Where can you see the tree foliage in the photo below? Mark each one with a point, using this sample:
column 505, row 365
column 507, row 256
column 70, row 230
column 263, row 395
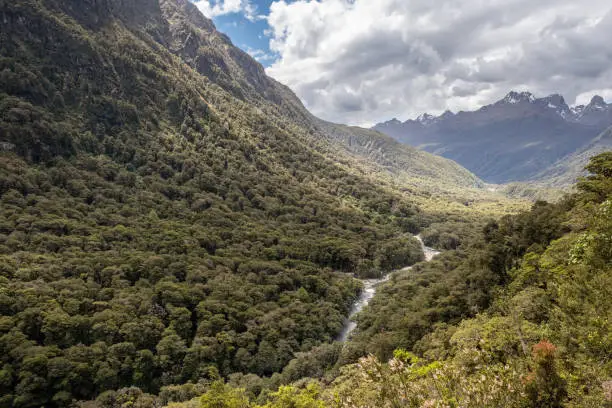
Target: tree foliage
column 540, row 336
column 155, row 230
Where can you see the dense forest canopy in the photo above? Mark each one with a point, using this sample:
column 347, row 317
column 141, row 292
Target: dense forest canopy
column 174, row 224
column 517, row 316
column 155, row 229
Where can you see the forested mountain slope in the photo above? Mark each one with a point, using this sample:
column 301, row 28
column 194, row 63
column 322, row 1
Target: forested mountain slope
column 171, row 215
column 517, row 316
column 211, row 53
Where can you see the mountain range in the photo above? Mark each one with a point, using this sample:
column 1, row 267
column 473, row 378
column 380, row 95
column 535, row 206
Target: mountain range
column 176, row 227
column 517, row 138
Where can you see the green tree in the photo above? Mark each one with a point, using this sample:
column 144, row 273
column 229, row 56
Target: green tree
column 598, row 185
column 291, row 397
column 221, row 395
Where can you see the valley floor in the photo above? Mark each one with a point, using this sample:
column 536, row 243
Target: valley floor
column 515, row 316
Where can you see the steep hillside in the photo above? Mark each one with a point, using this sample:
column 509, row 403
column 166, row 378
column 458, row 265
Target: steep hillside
column 514, row 139
column 195, row 39
column 169, row 213
column 407, row 163
column 566, row 171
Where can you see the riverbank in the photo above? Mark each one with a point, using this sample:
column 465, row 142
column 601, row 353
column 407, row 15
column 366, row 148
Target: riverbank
column 369, row 290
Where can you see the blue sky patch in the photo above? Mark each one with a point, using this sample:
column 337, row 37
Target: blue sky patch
column 246, row 29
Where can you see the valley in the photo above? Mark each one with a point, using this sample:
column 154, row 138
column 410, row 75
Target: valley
column 369, row 291
column 178, row 230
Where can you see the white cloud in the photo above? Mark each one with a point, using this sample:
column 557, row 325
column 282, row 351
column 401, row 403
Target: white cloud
column 363, row 61
column 214, row 8
column 260, row 55
column 585, row 98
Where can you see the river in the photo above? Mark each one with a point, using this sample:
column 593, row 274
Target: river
column 369, row 290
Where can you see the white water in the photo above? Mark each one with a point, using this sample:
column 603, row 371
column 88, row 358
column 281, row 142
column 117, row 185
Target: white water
column 429, row 252
column 369, row 290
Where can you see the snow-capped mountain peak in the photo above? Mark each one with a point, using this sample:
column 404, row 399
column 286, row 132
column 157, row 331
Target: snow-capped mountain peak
column 426, row 119
column 513, row 106
column 556, row 103
column 597, row 103
column 516, row 97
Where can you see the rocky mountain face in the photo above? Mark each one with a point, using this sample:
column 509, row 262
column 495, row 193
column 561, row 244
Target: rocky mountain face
column 514, row 139
column 95, row 14
column 597, row 113
column 211, row 53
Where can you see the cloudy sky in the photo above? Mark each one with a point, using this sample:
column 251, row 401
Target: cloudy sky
column 366, row 61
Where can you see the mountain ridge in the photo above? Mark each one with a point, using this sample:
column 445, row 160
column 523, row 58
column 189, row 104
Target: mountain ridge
column 554, row 101
column 513, row 139
column 231, row 65
column 568, row 169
